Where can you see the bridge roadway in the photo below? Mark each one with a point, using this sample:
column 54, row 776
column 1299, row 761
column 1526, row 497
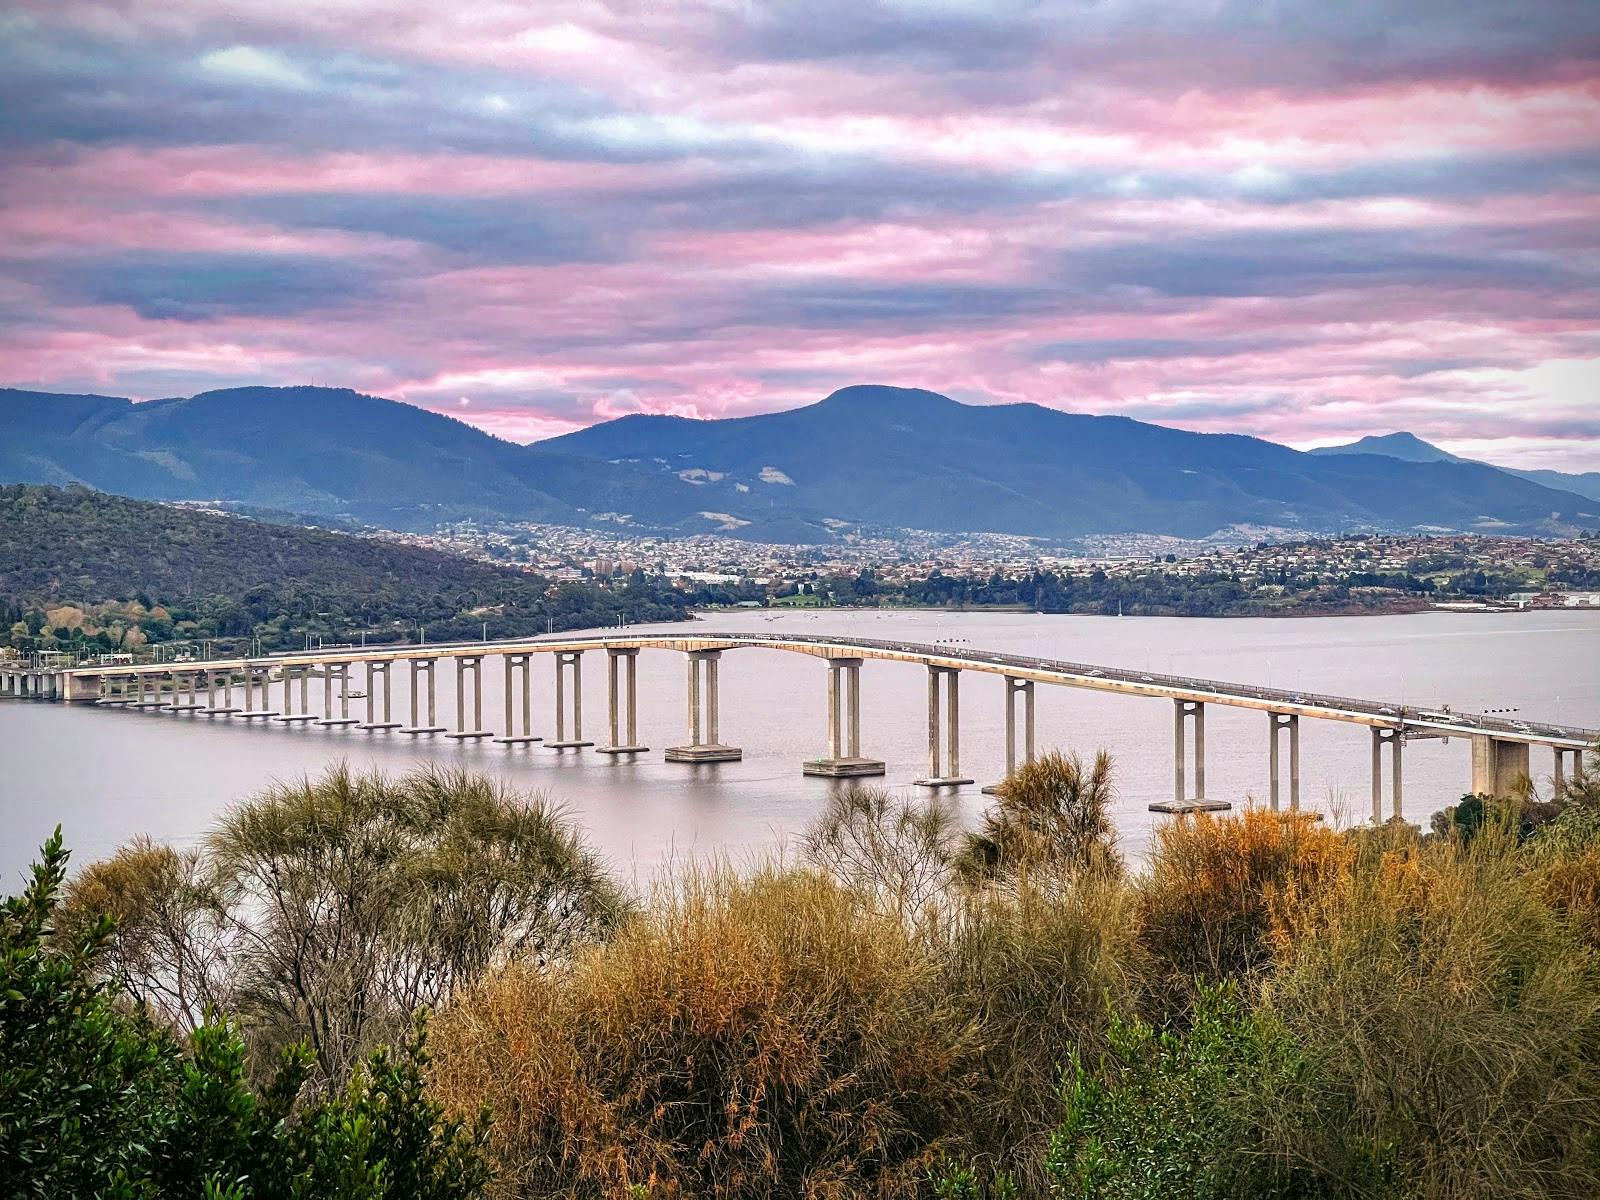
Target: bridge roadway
column 1500, row 745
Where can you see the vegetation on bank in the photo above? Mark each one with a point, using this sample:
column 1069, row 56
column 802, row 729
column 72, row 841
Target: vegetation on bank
column 82, row 570
column 1268, row 1007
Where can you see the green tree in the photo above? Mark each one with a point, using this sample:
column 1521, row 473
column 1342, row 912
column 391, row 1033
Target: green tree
column 96, row 1100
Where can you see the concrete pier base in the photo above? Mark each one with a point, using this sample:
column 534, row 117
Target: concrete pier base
column 470, row 735
column 521, row 739
column 423, row 729
column 339, row 721
column 705, row 753
column 942, row 781
column 296, row 718
column 1182, row 808
column 258, row 714
column 567, row 744
column 222, row 712
column 380, row 725
column 844, row 768
column 622, row 749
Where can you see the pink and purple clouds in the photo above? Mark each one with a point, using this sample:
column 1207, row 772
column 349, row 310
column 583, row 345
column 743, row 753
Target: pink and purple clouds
column 1304, row 221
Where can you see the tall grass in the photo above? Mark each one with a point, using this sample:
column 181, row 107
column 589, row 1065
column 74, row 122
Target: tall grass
column 1454, row 1022
column 761, row 1035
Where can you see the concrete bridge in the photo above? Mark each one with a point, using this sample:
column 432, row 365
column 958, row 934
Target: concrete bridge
column 1500, row 747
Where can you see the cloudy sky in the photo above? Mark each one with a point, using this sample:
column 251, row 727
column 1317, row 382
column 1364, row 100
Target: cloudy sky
column 1308, row 221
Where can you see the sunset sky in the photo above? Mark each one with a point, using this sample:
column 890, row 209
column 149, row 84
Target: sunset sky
column 1306, row 221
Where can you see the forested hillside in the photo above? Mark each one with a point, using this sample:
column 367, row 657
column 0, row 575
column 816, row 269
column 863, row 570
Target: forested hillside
column 79, row 567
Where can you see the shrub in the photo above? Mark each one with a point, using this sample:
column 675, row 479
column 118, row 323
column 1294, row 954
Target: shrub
column 1169, row 1112
column 1219, row 889
column 763, row 1036
column 897, row 855
column 1454, row 1022
column 1052, row 813
column 97, row 1100
column 329, row 910
column 1034, row 965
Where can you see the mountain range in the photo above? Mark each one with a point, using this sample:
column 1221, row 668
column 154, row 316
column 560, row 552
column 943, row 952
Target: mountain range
column 1408, row 447
column 866, row 456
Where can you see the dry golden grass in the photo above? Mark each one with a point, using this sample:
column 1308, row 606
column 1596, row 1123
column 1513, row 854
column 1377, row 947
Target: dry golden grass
column 746, row 1036
column 1220, row 891
column 1453, row 1021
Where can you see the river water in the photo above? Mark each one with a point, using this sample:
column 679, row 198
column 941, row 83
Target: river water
column 109, row 774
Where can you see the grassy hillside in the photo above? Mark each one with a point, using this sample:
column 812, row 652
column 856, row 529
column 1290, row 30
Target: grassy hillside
column 79, row 567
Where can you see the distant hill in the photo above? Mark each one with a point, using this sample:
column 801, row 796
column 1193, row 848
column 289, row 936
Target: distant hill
column 866, row 455
column 1408, row 447
column 233, row 576
column 906, row 457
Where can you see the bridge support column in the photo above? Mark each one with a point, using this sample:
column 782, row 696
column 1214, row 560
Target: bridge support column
column 186, row 692
column 944, row 762
column 1015, row 687
column 844, row 760
column 622, row 668
column 227, row 707
column 515, row 663
column 375, row 672
column 704, row 745
column 1499, row 767
column 1560, row 776
column 564, row 660
column 339, row 672
column 290, row 676
column 1183, row 713
column 1278, row 722
column 473, row 664
column 1395, row 740
column 419, row 668
column 251, row 675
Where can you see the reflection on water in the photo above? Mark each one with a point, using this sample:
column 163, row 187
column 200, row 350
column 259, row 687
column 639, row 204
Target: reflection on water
column 107, row 774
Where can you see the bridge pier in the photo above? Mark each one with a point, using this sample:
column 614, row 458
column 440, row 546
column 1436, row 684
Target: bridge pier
column 473, row 663
column 1499, row 767
column 289, row 716
column 1395, row 739
column 185, row 688
column 266, row 711
column 944, row 763
column 1278, row 723
column 1561, row 767
column 844, row 760
column 565, row 659
column 624, row 734
column 1185, row 712
column 419, row 668
column 1015, row 687
column 514, row 663
column 214, row 680
column 376, row 671
column 340, row 672
column 706, row 748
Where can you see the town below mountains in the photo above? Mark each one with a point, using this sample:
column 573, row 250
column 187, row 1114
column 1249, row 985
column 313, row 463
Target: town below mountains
column 866, row 460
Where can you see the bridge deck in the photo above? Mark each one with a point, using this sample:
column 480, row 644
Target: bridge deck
column 1421, row 721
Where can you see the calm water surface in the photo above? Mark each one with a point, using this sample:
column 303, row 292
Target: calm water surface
column 108, row 774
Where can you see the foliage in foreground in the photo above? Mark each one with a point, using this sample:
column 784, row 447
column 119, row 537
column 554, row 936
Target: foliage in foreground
column 329, row 910
column 96, row 1100
column 1268, row 1008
